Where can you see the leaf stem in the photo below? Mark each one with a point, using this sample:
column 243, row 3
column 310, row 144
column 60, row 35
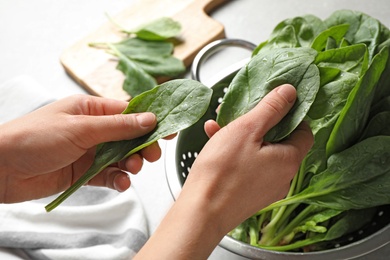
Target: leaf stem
column 122, row 29
column 292, row 224
column 78, row 184
column 100, row 45
column 277, row 214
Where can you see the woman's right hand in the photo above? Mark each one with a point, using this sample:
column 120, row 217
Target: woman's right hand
column 235, row 175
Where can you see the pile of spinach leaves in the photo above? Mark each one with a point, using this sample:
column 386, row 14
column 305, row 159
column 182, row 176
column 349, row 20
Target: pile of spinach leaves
column 340, row 67
column 146, row 53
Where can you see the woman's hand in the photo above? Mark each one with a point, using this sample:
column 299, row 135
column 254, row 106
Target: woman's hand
column 47, row 150
column 245, row 171
column 235, row 175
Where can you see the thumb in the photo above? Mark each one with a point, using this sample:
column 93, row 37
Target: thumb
column 99, row 129
column 271, row 109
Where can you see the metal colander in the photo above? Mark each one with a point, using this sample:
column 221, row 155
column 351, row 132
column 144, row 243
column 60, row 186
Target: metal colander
column 372, row 239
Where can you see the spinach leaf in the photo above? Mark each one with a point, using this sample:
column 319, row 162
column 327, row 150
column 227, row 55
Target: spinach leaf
column 155, row 58
column 160, row 29
column 356, row 178
column 332, row 97
column 134, row 46
column 378, row 125
column 266, row 71
column 323, row 114
column 380, row 106
column 354, row 115
column 141, row 60
column 291, row 33
column 336, row 32
column 285, row 38
column 327, row 74
column 177, row 105
column 147, row 55
column 383, row 88
column 136, row 80
column 159, row 66
column 363, row 28
column 347, row 59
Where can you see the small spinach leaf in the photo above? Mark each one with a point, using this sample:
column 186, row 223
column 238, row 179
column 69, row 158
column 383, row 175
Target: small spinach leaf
column 140, row 60
column 346, row 58
column 137, row 80
column 336, row 33
column 135, row 46
column 158, row 30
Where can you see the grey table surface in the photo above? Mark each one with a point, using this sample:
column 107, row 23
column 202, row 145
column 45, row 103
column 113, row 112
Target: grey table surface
column 34, row 33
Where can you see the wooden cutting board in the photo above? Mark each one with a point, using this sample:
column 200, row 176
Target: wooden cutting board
column 95, row 70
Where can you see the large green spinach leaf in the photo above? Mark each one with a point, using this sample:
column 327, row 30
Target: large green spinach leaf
column 177, row 105
column 266, row 71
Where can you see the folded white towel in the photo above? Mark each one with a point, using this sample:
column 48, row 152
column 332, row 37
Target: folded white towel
column 94, row 223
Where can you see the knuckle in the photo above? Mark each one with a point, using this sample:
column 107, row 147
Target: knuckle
column 275, row 105
column 124, row 122
column 292, row 159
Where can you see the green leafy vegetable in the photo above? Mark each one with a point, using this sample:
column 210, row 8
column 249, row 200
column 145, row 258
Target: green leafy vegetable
column 265, row 72
column 177, row 105
column 365, row 165
column 157, row 30
column 146, row 53
column 340, row 67
column 354, row 115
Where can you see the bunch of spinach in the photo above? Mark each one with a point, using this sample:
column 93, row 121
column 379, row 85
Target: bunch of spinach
column 146, row 53
column 340, row 67
column 177, row 105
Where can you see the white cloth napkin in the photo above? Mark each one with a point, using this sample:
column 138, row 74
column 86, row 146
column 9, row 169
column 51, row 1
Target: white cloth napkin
column 94, row 223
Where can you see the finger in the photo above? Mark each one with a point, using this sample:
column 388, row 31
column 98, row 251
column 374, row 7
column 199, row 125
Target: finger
column 91, row 105
column 170, row 137
column 112, row 178
column 211, row 127
column 152, row 152
column 271, row 109
column 121, row 181
column 99, row 129
column 132, row 164
column 302, row 139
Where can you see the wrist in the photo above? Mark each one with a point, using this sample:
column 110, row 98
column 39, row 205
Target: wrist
column 3, row 150
column 190, row 230
column 4, row 168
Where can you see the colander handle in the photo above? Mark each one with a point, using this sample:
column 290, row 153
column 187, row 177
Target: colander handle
column 212, row 48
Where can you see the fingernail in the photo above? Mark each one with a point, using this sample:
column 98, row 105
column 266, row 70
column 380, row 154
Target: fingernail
column 121, row 182
column 146, row 119
column 288, row 92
